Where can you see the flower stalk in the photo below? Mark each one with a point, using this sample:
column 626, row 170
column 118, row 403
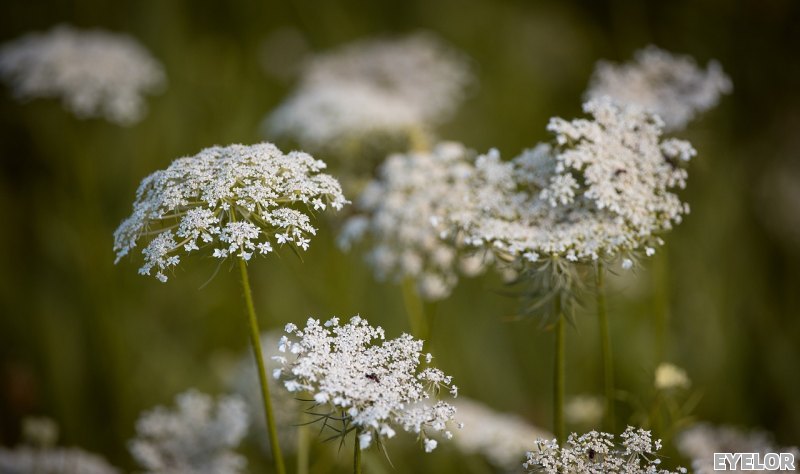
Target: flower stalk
column 255, row 340
column 605, row 347
column 558, row 372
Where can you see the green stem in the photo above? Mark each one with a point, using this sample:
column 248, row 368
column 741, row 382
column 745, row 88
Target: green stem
column 605, row 347
column 255, row 340
column 558, row 373
column 357, row 454
column 303, row 448
column 418, row 139
column 415, row 310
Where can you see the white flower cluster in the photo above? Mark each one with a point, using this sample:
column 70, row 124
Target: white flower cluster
column 403, row 216
column 584, row 410
column 671, row 86
column 376, row 387
column 596, row 452
column 373, row 86
column 237, row 200
column 197, row 438
column 701, row 441
column 95, row 73
column 603, row 190
column 501, row 438
column 669, row 377
column 245, row 383
column 27, row 459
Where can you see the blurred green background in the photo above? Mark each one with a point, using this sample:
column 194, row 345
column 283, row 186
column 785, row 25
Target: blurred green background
column 92, row 345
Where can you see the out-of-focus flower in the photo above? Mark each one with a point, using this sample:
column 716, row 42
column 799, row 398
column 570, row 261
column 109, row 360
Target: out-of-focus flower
column 403, row 214
column 373, row 86
column 95, row 73
column 584, row 410
column 502, row 438
column 197, row 438
column 232, row 201
column 374, row 387
column 596, row 452
column 670, row 86
column 41, row 457
column 669, row 376
column 701, row 441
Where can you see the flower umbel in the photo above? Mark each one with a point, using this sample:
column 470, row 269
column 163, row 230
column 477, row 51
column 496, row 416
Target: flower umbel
column 233, row 201
column 403, row 214
column 197, row 438
column 670, row 86
column 387, row 86
column 596, row 452
column 95, row 73
column 368, row 384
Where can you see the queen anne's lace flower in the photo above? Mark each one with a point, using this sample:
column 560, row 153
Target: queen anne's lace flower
column 603, row 190
column 671, row 86
column 501, row 438
column 701, row 441
column 198, row 438
column 27, row 460
column 373, row 86
column 235, row 201
column 376, row 387
column 404, row 217
column 95, row 73
column 596, row 452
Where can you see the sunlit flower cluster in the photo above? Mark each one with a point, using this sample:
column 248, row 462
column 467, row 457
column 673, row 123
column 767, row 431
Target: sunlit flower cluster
column 197, row 438
column 671, row 86
column 233, row 201
column 502, row 438
column 596, row 452
column 701, row 441
column 375, row 385
column 389, row 86
column 403, row 217
column 95, row 73
column 603, row 190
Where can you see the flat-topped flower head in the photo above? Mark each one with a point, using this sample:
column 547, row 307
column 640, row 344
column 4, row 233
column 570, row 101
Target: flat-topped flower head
column 603, row 190
column 385, row 85
column 403, row 217
column 234, row 201
column 699, row 442
column 367, row 383
column 672, row 86
column 95, row 73
column 199, row 437
column 597, row 452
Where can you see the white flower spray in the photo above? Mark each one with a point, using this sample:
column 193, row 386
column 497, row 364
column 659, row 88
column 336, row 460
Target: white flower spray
column 597, row 452
column 361, row 382
column 199, row 437
column 670, row 86
column 230, row 202
column 95, row 73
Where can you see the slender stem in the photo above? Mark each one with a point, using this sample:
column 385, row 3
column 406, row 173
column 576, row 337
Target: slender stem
column 605, row 347
column 558, row 373
column 415, row 310
column 255, row 340
column 303, row 448
column 357, row 454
